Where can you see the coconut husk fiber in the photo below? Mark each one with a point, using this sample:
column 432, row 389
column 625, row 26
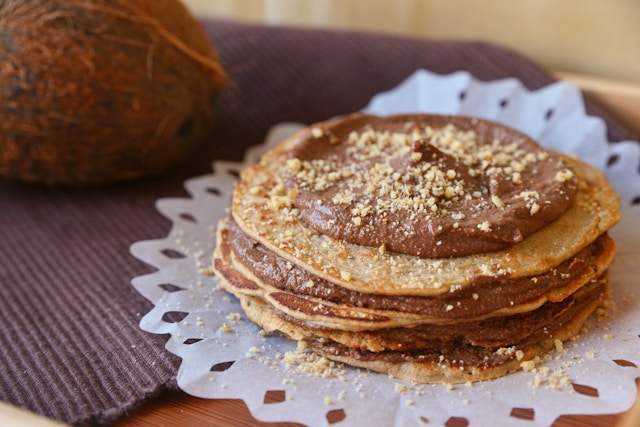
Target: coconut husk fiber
column 70, row 345
column 99, row 91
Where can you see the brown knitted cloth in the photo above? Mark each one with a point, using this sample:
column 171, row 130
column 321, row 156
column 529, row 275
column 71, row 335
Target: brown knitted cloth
column 70, row 345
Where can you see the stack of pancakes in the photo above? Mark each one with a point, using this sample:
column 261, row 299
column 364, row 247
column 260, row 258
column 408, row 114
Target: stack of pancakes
column 432, row 248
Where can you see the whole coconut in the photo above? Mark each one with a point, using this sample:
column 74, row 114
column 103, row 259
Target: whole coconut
column 96, row 91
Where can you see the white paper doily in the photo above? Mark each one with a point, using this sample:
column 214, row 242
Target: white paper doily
column 224, row 356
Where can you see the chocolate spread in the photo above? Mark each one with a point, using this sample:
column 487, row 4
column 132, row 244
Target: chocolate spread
column 426, row 185
column 475, row 344
column 480, row 296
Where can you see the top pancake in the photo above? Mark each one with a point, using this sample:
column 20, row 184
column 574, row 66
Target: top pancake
column 264, row 211
column 427, row 185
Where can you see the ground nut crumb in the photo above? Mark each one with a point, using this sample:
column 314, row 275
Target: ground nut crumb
column 505, row 351
column 303, row 361
column 528, row 365
column 516, row 177
column 485, row 226
column 294, row 165
column 534, row 208
column 564, row 175
column 234, row 317
column 497, row 201
column 400, row 388
column 558, row 345
column 345, row 275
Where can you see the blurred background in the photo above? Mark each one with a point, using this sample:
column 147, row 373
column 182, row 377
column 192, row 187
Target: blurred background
column 599, row 38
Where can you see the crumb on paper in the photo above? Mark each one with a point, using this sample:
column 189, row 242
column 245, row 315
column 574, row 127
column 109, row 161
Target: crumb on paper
column 309, row 362
column 528, row 365
column 400, row 388
column 558, row 345
column 234, row 316
column 207, row 271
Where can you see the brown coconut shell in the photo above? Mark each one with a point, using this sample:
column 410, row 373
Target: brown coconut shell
column 97, row 91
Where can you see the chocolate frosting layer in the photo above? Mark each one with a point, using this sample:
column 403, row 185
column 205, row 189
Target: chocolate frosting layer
column 426, row 185
column 485, row 343
column 482, row 295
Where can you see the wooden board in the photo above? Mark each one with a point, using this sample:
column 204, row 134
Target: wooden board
column 180, row 409
column 622, row 100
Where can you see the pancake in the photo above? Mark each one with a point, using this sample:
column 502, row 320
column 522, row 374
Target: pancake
column 307, row 298
column 431, row 248
column 277, row 226
column 438, row 360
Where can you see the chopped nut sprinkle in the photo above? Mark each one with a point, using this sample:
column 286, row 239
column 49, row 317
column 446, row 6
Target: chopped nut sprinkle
column 345, row 275
column 427, row 185
column 485, row 226
column 564, row 175
column 497, row 201
column 528, row 365
column 558, row 345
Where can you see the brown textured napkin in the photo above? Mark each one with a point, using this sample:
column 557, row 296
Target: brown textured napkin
column 70, row 345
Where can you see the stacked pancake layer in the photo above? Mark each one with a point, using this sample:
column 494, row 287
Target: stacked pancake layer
column 432, row 248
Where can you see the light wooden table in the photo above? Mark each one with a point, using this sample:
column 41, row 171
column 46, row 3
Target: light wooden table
column 622, row 100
